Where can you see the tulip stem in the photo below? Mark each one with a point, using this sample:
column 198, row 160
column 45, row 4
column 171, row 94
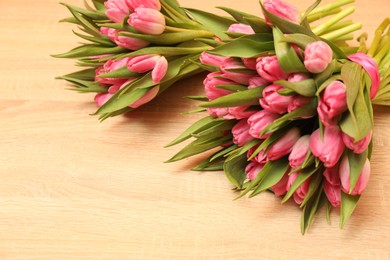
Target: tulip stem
column 328, row 9
column 338, row 33
column 378, row 36
column 338, row 17
column 362, row 43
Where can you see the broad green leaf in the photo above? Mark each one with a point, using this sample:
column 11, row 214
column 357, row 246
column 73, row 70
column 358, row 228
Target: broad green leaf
column 301, row 40
column 315, row 182
column 165, row 51
column 287, row 57
column 356, row 163
column 276, row 172
column 104, row 41
column 240, row 98
column 244, row 149
column 311, row 208
column 122, row 72
column 88, row 50
column 258, row 25
column 348, row 205
column 170, row 38
column 235, row 170
column 223, row 153
column 320, row 78
column 234, row 88
column 222, row 126
column 86, row 22
column 209, row 166
column 86, row 74
column 305, row 87
column 175, row 5
column 237, row 15
column 198, row 98
column 95, row 15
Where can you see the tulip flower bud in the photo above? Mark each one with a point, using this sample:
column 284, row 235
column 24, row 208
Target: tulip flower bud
column 123, row 41
column 230, row 113
column 211, row 83
column 252, row 169
column 102, row 98
column 283, row 10
column 250, row 63
column 151, row 94
column 332, row 175
column 260, row 120
column 283, row 145
column 257, row 81
column 269, row 68
column 144, row 63
column 361, row 184
column 296, row 77
column 110, row 66
column 240, row 133
column 281, row 187
column 299, row 152
column 333, row 193
column 147, row 20
column 318, row 55
column 152, row 4
column 116, row 10
column 211, row 59
column 300, row 193
column 229, row 65
column 297, row 102
column 359, row 146
column 330, row 149
column 333, row 102
column 273, row 102
column 241, row 28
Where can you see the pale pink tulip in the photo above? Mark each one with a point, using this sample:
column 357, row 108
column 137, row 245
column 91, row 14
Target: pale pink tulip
column 359, row 146
column 230, row 113
column 116, row 10
column 259, row 121
column 362, row 182
column 229, row 65
column 110, row 66
column 148, row 21
column 318, row 55
column 333, row 102
column 371, row 68
column 211, row 83
column 333, row 193
column 273, row 102
column 134, row 4
column 123, row 41
column 240, row 133
column 299, row 151
column 257, row 81
column 269, row 68
column 149, row 62
column 240, row 28
column 296, row 77
column 211, row 59
column 102, row 97
column 330, row 149
column 283, row 10
column 281, row 187
column 151, row 94
column 252, row 169
column 283, row 145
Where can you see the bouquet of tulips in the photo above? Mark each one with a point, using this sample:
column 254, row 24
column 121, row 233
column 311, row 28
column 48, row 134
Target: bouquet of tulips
column 289, row 102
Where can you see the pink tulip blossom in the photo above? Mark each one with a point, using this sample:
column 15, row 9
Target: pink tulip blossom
column 252, row 169
column 257, row 81
column 211, row 83
column 102, row 97
column 318, row 55
column 240, row 28
column 371, row 68
column 301, row 191
column 250, row 63
column 332, row 175
column 330, row 149
column 123, row 41
column 299, row 152
column 362, row 182
column 274, row 102
column 297, row 102
column 240, row 133
column 134, row 4
column 229, row 65
column 116, row 10
column 333, row 193
column 149, row 62
column 359, row 146
column 151, row 94
column 296, row 77
column 148, row 21
column 230, row 113
column 283, row 145
column 332, row 103
column 269, row 68
column 259, row 121
column 211, row 59
column 281, row 187
column 110, row 66
column 283, row 10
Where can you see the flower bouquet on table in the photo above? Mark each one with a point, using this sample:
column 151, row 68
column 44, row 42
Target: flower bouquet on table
column 291, row 111
column 139, row 48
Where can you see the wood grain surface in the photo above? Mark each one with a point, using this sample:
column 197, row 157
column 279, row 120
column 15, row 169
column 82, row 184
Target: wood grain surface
column 74, row 188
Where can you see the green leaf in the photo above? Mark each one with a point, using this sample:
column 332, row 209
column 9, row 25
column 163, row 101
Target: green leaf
column 276, row 172
column 240, row 98
column 165, row 51
column 356, row 163
column 86, row 22
column 315, row 182
column 223, row 153
column 248, row 46
column 233, row 88
column 258, row 24
column 209, row 166
column 86, row 74
column 301, row 40
column 267, row 143
column 348, row 205
column 311, row 208
column 235, row 170
column 95, row 15
column 287, row 57
column 237, row 15
column 310, row 9
column 122, row 72
column 88, row 50
column 98, row 40
column 305, row 87
column 222, row 126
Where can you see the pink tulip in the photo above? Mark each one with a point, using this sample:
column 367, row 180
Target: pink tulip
column 297, row 102
column 269, row 68
column 371, row 68
column 110, row 66
column 332, row 175
column 300, row 193
column 117, row 10
column 332, row 103
column 241, row 28
column 273, row 102
column 296, row 77
column 151, row 94
column 281, row 187
column 134, row 4
column 252, row 169
column 299, row 152
column 229, row 65
column 330, row 149
column 333, row 193
column 211, row 59
column 250, row 63
column 230, row 113
column 259, row 121
column 345, row 177
column 318, row 55
column 123, row 41
column 240, row 133
column 102, row 97
column 116, row 87
column 147, row 20
column 144, row 63
column 260, row 157
column 211, row 83
column 359, row 146
column 283, row 145
column 283, row 10
column 257, row 81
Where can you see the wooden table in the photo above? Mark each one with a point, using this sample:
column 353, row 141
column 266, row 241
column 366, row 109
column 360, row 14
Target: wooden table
column 74, row 188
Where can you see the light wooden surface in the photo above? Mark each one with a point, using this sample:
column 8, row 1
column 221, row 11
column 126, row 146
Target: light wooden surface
column 73, row 188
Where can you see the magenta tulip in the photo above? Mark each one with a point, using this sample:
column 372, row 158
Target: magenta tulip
column 281, row 187
column 123, row 41
column 283, row 10
column 110, row 66
column 250, row 63
column 333, row 193
column 259, row 121
column 102, row 97
column 283, row 145
column 301, row 191
column 274, row 102
column 318, row 56
column 230, row 113
column 299, row 152
column 296, row 77
column 297, row 102
column 332, row 175
column 148, row 21
column 240, row 133
column 332, row 103
column 362, row 182
column 269, row 68
column 359, row 146
column 252, row 169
